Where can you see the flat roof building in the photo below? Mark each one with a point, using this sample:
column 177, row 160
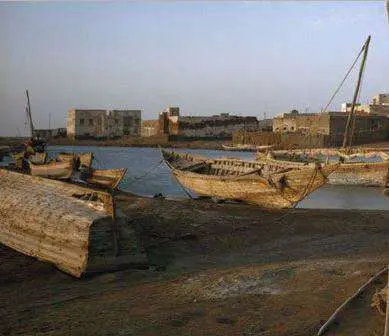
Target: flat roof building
column 103, row 123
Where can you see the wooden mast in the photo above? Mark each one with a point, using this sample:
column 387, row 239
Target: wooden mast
column 347, row 133
column 29, row 115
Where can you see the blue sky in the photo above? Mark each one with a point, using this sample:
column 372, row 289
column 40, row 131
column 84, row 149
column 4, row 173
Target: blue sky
column 245, row 58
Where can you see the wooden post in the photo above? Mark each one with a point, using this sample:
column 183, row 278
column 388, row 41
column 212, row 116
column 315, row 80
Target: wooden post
column 29, row 115
column 347, row 133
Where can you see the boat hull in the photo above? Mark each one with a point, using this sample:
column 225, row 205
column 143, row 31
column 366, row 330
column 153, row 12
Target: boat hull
column 56, row 170
column 369, row 174
column 85, row 159
column 43, row 218
column 250, row 191
column 107, row 178
column 283, row 188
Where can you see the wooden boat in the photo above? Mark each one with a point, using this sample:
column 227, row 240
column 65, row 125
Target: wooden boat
column 86, row 159
column 54, row 170
column 106, row 178
column 263, row 184
column 372, row 174
column 71, row 226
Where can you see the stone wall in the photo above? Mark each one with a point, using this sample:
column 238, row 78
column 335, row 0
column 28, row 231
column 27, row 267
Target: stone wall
column 312, row 123
column 281, row 140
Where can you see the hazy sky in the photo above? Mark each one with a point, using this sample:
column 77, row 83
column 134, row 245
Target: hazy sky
column 245, row 58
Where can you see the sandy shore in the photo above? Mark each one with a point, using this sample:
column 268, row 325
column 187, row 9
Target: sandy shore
column 217, row 269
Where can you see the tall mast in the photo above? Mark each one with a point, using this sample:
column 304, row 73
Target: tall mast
column 347, row 133
column 29, row 115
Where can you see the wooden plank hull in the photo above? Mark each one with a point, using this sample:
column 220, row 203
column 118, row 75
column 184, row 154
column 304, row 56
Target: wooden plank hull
column 86, row 159
column 107, row 178
column 278, row 188
column 55, row 170
column 42, row 218
column 372, row 174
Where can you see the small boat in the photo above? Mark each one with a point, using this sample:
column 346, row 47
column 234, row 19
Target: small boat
column 364, row 173
column 267, row 185
column 86, row 159
column 55, row 170
column 106, row 178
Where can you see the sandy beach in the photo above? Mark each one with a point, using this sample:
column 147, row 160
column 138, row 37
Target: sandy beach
column 215, row 269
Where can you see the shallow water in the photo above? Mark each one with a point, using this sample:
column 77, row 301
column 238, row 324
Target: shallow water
column 147, row 176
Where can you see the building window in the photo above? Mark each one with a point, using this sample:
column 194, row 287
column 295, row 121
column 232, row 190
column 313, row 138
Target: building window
column 116, row 121
column 82, row 121
column 91, row 122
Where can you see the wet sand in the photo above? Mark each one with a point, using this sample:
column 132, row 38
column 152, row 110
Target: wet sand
column 217, row 269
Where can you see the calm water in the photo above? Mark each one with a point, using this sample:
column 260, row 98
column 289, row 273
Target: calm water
column 159, row 180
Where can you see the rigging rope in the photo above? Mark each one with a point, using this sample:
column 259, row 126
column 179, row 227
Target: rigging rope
column 344, row 79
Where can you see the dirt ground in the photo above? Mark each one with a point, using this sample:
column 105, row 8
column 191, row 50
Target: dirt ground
column 216, row 269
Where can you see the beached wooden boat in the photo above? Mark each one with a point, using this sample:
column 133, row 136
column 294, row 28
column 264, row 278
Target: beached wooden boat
column 263, row 184
column 86, row 159
column 54, row 170
column 71, row 226
column 106, row 178
column 372, row 174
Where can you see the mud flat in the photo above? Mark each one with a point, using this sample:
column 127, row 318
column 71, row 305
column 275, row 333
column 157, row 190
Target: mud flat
column 217, row 269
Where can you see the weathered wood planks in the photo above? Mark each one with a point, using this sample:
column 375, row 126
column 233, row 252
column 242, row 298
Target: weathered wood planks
column 43, row 219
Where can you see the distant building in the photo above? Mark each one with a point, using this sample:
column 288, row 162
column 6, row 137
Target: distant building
column 368, row 127
column 103, row 123
column 149, row 128
column 223, row 125
column 50, row 133
column 379, row 106
column 265, row 125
